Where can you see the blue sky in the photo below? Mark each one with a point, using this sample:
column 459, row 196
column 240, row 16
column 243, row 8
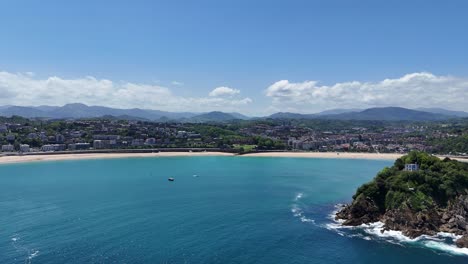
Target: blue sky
column 302, row 56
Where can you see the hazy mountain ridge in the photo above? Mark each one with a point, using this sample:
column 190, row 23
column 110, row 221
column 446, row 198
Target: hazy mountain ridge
column 215, row 116
column 376, row 113
column 78, row 110
column 390, row 114
column 338, row 111
column 443, row 111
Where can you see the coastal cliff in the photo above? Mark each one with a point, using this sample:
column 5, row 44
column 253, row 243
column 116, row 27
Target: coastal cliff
column 419, row 195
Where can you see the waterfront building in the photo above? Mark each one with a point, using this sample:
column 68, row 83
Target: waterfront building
column 24, row 148
column 53, row 147
column 79, row 146
column 150, row 141
column 8, row 148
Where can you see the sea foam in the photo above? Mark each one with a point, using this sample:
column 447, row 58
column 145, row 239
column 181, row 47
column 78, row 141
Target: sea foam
column 297, row 211
column 444, row 242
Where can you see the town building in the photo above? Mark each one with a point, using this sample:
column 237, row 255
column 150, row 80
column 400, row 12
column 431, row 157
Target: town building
column 8, row 148
column 138, row 142
column 53, row 147
column 411, row 167
column 150, row 141
column 24, row 148
column 104, row 144
column 59, row 138
column 79, row 146
column 10, row 137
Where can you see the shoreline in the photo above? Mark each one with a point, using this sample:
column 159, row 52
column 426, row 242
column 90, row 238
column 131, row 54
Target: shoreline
column 92, row 156
column 328, row 155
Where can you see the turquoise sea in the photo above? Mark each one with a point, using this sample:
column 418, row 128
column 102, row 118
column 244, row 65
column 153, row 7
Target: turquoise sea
column 218, row 210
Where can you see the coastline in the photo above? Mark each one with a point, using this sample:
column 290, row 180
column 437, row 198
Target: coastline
column 91, row 156
column 328, row 155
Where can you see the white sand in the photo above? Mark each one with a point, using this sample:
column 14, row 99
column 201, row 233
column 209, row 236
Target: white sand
column 329, row 155
column 57, row 157
column 340, row 155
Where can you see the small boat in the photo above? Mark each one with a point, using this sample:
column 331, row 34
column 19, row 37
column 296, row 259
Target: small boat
column 170, row 179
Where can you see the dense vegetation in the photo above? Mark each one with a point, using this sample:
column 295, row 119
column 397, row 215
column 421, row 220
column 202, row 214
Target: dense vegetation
column 450, row 145
column 434, row 184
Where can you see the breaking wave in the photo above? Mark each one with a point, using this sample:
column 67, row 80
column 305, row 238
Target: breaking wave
column 442, row 242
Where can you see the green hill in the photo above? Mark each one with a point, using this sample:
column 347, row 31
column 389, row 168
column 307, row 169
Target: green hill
column 432, row 199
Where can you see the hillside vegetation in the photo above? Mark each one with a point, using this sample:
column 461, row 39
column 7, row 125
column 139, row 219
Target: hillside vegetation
column 427, row 201
column 434, row 184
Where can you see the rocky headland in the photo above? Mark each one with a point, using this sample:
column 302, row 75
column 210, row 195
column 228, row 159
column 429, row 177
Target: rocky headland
column 425, row 199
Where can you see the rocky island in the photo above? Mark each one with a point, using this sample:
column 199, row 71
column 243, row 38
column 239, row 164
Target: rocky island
column 419, row 195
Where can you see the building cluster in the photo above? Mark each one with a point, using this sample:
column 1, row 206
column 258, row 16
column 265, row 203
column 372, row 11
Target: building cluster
column 94, row 134
column 359, row 139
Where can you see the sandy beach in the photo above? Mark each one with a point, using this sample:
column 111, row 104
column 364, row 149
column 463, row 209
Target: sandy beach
column 329, row 155
column 336, row 155
column 84, row 156
column 59, row 157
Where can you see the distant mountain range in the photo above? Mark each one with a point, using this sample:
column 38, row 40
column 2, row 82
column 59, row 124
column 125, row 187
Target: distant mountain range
column 444, row 112
column 378, row 113
column 390, row 114
column 84, row 111
column 74, row 111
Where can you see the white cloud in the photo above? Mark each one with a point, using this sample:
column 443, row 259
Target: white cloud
column 412, row 90
column 176, row 83
column 223, row 91
column 25, row 89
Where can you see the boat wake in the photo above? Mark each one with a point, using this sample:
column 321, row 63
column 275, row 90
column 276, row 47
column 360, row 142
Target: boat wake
column 297, row 211
column 442, row 242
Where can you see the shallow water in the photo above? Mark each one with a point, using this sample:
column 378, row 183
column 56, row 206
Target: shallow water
column 236, row 210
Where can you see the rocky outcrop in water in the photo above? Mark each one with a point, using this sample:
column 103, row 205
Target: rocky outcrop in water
column 424, row 202
column 362, row 211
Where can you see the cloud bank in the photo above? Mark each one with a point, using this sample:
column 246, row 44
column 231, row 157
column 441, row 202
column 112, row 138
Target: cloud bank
column 25, row 89
column 412, row 90
column 223, row 91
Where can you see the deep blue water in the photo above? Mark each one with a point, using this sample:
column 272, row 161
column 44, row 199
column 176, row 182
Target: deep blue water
column 238, row 210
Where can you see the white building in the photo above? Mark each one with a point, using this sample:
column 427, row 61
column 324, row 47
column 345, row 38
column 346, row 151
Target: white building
column 150, row 141
column 76, row 134
column 411, row 167
column 79, row 146
column 104, row 144
column 24, row 148
column 8, row 148
column 3, row 128
column 181, row 134
column 53, row 147
column 47, row 148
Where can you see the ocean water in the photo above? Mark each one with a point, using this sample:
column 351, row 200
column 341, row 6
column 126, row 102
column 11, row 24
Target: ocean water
column 218, row 210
